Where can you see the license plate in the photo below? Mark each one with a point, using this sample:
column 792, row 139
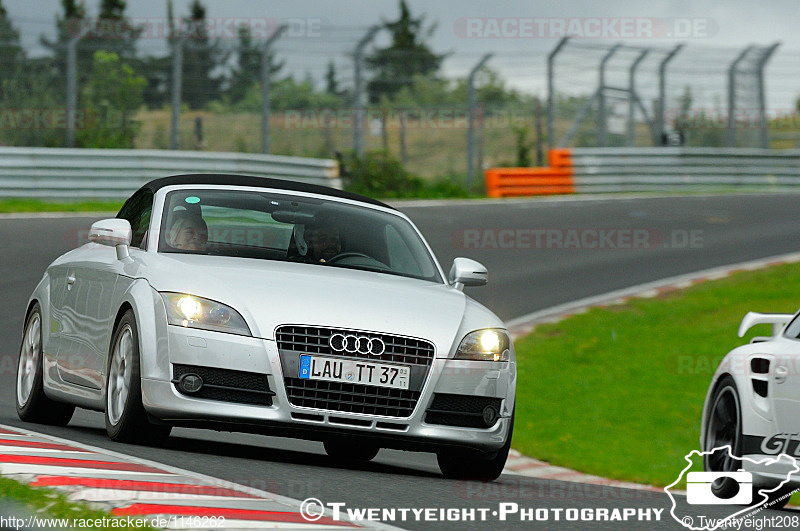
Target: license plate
column 354, row 371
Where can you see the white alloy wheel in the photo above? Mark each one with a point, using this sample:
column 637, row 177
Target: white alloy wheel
column 119, row 376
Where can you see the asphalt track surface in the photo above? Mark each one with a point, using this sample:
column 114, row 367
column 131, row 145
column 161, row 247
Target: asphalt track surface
column 575, row 256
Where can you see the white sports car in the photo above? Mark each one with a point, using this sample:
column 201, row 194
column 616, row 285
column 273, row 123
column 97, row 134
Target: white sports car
column 240, row 303
column 753, row 406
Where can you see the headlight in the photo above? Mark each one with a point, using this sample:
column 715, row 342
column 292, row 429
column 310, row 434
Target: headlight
column 485, row 345
column 193, row 312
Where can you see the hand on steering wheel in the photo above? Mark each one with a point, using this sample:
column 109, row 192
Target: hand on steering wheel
column 342, row 256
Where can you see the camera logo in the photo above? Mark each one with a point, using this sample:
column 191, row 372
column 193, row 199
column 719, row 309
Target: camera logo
column 719, row 488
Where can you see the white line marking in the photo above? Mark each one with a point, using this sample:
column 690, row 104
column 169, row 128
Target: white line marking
column 56, row 470
column 132, row 495
column 33, row 451
column 520, row 324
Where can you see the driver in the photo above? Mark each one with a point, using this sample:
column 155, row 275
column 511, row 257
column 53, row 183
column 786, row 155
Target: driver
column 324, row 242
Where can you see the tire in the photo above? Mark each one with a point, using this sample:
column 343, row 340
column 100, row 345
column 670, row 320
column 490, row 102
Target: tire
column 472, row 464
column 32, row 403
column 126, row 418
column 345, row 449
column 724, row 428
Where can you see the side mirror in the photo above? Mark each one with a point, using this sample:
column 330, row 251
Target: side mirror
column 466, row 272
column 113, row 232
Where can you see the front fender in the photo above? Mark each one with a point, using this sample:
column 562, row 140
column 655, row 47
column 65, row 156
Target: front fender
column 41, row 294
column 755, row 420
column 151, row 320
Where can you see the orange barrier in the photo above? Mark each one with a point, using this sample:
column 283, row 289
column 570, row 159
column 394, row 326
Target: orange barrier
column 554, row 179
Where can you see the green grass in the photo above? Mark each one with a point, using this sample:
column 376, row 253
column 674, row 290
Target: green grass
column 618, row 392
column 49, row 503
column 40, row 205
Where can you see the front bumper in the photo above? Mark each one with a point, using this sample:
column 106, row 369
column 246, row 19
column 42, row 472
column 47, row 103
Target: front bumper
column 199, row 348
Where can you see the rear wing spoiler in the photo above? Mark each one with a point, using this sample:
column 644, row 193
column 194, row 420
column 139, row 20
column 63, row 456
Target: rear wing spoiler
column 777, row 320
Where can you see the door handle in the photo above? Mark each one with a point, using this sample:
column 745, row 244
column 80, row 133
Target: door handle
column 781, row 373
column 70, row 281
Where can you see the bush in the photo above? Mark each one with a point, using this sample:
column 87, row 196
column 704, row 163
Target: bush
column 380, row 175
column 111, row 96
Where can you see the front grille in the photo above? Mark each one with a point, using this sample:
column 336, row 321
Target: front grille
column 227, row 385
column 460, row 410
column 314, row 340
column 351, row 398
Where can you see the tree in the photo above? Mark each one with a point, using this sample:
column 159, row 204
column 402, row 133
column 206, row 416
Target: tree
column 10, row 50
column 11, row 54
column 158, row 70
column 25, row 91
column 113, row 31
column 202, row 56
column 331, row 83
column 288, row 94
column 247, row 71
column 68, row 25
column 395, row 66
column 111, row 95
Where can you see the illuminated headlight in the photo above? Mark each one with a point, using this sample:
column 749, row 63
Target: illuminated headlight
column 193, row 312
column 485, row 345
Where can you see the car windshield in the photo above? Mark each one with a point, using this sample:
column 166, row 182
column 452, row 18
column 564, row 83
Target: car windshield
column 272, row 226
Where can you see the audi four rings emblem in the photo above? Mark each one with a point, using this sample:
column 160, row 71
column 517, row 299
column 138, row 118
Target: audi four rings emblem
column 361, row 344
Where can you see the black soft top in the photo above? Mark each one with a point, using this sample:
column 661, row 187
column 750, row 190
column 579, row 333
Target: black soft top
column 263, row 182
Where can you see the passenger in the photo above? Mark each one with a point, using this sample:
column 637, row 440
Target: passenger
column 189, row 232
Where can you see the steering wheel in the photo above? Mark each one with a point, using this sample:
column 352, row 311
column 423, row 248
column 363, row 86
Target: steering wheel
column 342, row 256
column 371, row 261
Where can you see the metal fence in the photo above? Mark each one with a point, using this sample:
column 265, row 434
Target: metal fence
column 433, row 137
column 623, row 94
column 597, row 92
column 104, row 173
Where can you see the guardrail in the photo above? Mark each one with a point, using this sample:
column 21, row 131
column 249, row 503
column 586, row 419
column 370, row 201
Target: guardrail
column 598, row 170
column 116, row 173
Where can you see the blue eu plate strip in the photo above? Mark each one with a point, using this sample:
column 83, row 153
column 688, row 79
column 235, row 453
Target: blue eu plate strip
column 305, row 366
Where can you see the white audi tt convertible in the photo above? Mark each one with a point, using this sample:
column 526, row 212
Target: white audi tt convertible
column 241, row 303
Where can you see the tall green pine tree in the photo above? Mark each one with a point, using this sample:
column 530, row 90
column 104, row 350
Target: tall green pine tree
column 202, row 55
column 11, row 54
column 395, row 66
column 248, row 65
column 113, row 32
column 68, row 24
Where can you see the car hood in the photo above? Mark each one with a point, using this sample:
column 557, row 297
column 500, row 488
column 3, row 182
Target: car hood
column 271, row 293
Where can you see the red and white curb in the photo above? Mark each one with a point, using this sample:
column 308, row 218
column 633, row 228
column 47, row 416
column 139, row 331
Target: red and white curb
column 129, row 486
column 528, row 466
column 521, row 326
